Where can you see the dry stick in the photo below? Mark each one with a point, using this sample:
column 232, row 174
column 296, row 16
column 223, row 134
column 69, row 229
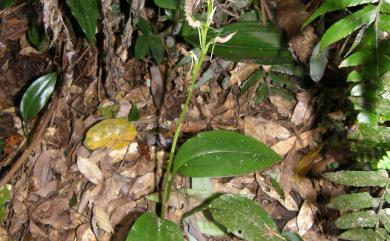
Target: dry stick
column 35, row 140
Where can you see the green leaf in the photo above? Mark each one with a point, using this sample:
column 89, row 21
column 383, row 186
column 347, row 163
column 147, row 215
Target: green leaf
column 37, row 95
column 384, row 23
column 262, row 93
column 169, row 4
column 141, row 47
column 148, row 227
column 36, row 36
column 359, row 219
column 384, row 163
column 4, row 198
column 6, row 3
column 256, row 76
column 358, row 58
column 134, row 113
column 359, row 178
column 86, row 12
column 222, row 153
column 354, row 201
column 361, row 234
column 244, row 218
column 318, row 63
column 291, row 236
column 144, row 26
column 334, row 5
column 252, row 42
column 157, row 48
column 348, row 24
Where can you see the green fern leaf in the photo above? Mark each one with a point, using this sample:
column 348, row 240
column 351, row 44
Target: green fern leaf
column 334, row 5
column 358, row 58
column 347, row 25
column 359, row 178
column 361, row 234
column 384, row 23
column 384, row 163
column 359, row 219
column 354, row 201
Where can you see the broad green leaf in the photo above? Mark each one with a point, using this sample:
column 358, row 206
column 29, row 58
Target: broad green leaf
column 2, row 144
column 110, row 133
column 282, row 81
column 157, row 48
column 357, row 219
column 384, row 23
column 222, row 153
column 148, row 227
column 244, row 218
column 354, row 201
column 262, row 93
column 354, row 76
column 169, row 4
column 359, row 178
column 384, row 217
column 347, row 25
column 144, row 26
column 134, row 113
column 37, row 95
column 361, row 234
column 334, row 5
column 370, row 133
column 358, row 39
column 358, row 58
column 6, row 3
column 252, row 42
column 86, row 12
column 385, row 8
column 109, row 111
column 142, row 46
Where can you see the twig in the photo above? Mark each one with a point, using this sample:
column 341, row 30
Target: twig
column 34, row 141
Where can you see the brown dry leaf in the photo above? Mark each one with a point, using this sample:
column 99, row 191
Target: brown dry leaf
column 307, row 138
column 42, row 170
column 102, row 219
column 291, row 226
column 84, row 233
column 156, row 86
column 241, row 72
column 143, row 186
column 265, row 131
column 54, row 213
column 306, row 217
column 4, row 235
column 90, row 170
column 284, row 106
column 36, row 232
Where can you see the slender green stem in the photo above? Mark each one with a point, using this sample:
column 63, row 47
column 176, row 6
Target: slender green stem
column 169, row 175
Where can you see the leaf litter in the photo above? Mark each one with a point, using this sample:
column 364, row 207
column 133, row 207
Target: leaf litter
column 68, row 191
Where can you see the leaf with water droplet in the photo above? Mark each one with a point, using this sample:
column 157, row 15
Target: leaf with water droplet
column 222, row 153
column 149, row 227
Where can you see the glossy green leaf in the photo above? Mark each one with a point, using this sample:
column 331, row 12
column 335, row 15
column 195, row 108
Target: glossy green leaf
column 358, row 58
column 37, row 37
column 318, row 63
column 334, row 5
column 222, row 153
column 354, row 201
column 148, row 227
column 37, row 95
column 357, row 219
column 244, row 218
column 359, row 178
column 361, row 234
column 348, row 24
column 134, row 113
column 385, row 7
column 169, row 4
column 141, row 47
column 6, row 3
column 252, row 42
column 157, row 48
column 86, row 12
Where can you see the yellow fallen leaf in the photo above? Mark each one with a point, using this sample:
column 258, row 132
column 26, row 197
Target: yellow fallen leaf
column 304, row 165
column 110, row 133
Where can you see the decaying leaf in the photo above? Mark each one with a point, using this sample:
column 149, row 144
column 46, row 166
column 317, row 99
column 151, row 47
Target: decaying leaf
column 103, row 220
column 90, row 170
column 306, row 217
column 110, row 133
